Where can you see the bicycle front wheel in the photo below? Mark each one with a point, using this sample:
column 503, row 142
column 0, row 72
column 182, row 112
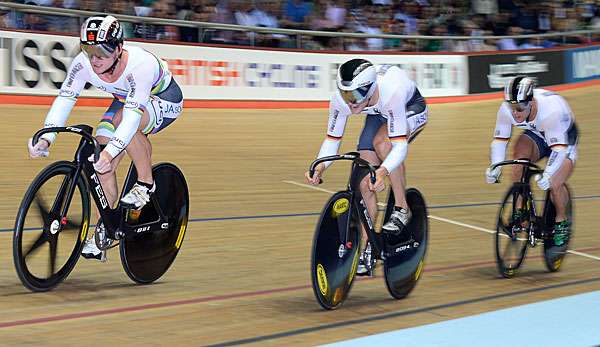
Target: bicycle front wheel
column 335, row 251
column 512, row 231
column 41, row 261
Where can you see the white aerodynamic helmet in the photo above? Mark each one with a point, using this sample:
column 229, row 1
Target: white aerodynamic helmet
column 356, row 80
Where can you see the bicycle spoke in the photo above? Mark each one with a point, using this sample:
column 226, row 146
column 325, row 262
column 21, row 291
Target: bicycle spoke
column 37, row 244
column 43, row 210
column 70, row 226
column 507, row 232
column 507, row 251
column 53, row 245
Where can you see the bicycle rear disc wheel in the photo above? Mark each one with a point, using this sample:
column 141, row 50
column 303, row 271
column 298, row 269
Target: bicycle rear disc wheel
column 46, row 246
column 335, row 251
column 554, row 255
column 512, row 236
column 147, row 256
column 405, row 259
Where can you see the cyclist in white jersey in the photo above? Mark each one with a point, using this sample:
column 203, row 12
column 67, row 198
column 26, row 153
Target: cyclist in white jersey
column 550, row 131
column 396, row 113
column 146, row 100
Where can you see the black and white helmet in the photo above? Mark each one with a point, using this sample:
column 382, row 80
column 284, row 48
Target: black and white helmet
column 356, row 80
column 101, row 34
column 519, row 89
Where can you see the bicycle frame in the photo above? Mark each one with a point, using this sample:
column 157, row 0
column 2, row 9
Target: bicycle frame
column 537, row 226
column 357, row 202
column 114, row 219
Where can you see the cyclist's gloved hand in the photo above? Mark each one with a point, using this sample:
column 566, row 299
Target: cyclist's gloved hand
column 379, row 184
column 103, row 164
column 40, row 149
column 316, row 178
column 543, row 181
column 493, row 176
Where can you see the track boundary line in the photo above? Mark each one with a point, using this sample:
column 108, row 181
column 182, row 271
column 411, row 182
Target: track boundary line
column 451, row 221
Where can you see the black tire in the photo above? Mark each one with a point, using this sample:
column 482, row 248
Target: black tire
column 406, row 257
column 35, row 228
column 334, row 257
column 147, row 256
column 512, row 236
column 554, row 255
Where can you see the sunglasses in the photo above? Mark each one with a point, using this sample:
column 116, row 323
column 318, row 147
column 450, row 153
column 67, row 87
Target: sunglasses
column 98, row 51
column 519, row 106
column 356, row 96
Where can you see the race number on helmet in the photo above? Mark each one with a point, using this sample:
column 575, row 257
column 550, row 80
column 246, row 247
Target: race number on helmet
column 356, row 80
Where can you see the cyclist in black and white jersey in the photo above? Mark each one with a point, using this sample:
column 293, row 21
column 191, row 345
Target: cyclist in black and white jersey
column 396, row 113
column 146, row 100
column 550, row 131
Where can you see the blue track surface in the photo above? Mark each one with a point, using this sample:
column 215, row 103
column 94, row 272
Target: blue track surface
column 570, row 321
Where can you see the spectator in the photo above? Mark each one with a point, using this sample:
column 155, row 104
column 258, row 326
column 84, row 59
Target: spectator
column 336, row 13
column 5, row 20
column 222, row 14
column 526, row 19
column 296, row 14
column 266, row 14
column 485, row 7
column 355, row 43
column 452, row 17
column 328, row 15
column 437, row 45
column 406, row 15
column 509, row 43
column 32, row 21
column 165, row 9
column 396, row 27
column 124, row 7
column 372, row 28
column 544, row 23
column 530, row 43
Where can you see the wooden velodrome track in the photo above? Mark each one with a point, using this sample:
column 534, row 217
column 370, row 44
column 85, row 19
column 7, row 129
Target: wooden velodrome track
column 242, row 275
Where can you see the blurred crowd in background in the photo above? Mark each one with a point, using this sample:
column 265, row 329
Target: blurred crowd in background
column 472, row 18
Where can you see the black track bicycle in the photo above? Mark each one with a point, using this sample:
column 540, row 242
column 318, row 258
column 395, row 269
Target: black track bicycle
column 53, row 219
column 519, row 225
column 337, row 239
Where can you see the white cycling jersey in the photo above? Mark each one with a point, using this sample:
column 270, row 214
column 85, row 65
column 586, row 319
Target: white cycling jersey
column 144, row 75
column 554, row 123
column 396, row 92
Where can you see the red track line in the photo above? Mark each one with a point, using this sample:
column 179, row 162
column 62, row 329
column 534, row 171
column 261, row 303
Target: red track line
column 77, row 315
column 87, row 314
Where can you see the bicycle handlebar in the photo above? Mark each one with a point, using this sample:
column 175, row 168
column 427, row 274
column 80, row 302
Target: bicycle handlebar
column 524, row 162
column 354, row 156
column 71, row 129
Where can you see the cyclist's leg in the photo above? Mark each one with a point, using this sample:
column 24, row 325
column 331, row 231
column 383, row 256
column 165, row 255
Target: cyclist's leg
column 104, row 133
column 416, row 117
column 369, row 197
column 528, row 146
column 367, row 151
column 108, row 180
column 397, row 177
column 139, row 148
column 161, row 110
column 558, row 190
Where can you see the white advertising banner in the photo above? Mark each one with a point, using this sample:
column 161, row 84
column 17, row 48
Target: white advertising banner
column 36, row 64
